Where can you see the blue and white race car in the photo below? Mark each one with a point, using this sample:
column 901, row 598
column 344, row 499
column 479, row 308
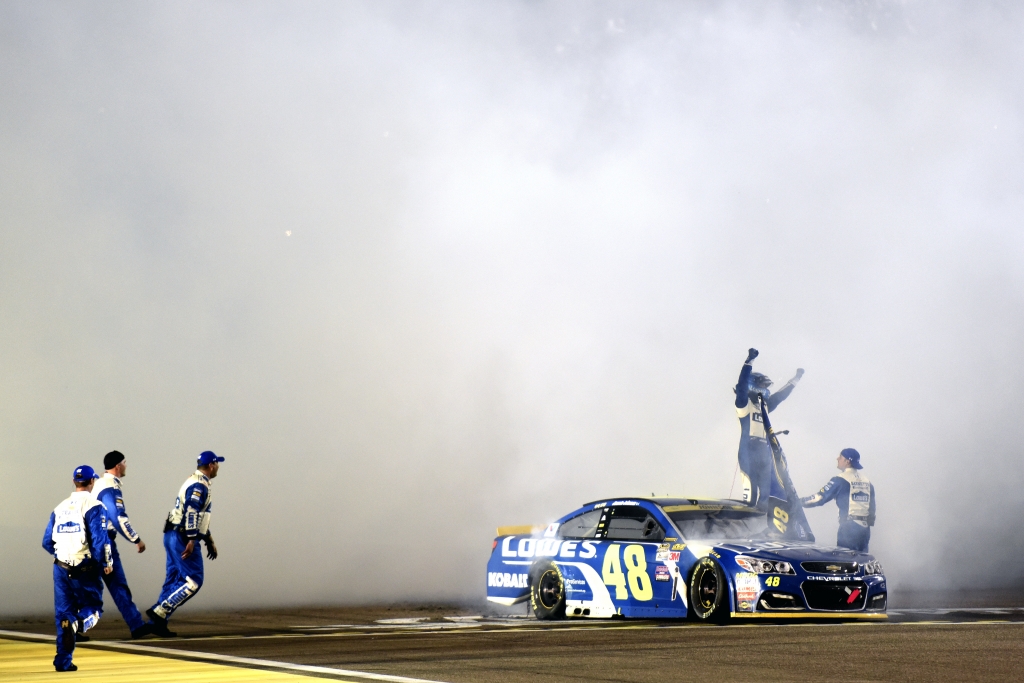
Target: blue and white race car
column 708, row 560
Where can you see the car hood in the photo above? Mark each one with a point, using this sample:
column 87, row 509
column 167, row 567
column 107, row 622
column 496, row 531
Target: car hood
column 793, row 551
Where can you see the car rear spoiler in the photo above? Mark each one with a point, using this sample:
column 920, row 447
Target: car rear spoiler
column 520, row 530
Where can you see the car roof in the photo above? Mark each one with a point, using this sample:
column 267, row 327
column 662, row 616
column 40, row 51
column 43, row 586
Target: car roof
column 681, row 503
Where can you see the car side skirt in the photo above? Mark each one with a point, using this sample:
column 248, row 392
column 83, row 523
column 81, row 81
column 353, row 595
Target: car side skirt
column 508, row 602
column 810, row 615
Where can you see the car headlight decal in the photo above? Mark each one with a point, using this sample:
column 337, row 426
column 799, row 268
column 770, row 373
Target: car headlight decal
column 873, row 568
column 760, row 566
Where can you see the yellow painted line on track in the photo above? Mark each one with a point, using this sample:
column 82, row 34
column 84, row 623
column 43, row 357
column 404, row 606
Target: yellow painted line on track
column 29, row 657
column 24, row 661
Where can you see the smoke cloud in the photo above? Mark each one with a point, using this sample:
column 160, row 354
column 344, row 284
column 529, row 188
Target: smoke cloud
column 418, row 270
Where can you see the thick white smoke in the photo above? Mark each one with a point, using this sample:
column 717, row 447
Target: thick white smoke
column 417, row 271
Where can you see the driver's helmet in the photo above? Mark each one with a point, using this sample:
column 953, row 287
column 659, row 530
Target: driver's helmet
column 758, row 385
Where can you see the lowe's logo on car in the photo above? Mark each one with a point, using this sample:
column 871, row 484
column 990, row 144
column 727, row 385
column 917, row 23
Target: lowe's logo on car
column 506, row 580
column 547, row 547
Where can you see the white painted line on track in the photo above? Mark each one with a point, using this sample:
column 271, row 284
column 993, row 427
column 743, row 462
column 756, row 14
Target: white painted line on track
column 320, row 671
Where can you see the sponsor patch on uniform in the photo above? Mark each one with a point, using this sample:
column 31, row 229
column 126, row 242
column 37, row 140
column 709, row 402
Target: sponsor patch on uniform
column 666, row 556
column 69, row 528
column 661, row 573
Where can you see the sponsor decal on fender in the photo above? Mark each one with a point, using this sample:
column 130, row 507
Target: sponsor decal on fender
column 747, row 587
column 661, row 573
column 666, row 556
column 507, row 580
column 547, row 547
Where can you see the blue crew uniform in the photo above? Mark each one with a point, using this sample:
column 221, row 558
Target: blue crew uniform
column 188, row 521
column 108, row 492
column 755, row 455
column 76, row 536
column 855, row 496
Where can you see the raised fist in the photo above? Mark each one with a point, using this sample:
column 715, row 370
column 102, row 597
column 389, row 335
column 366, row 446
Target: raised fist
column 751, row 355
column 799, row 373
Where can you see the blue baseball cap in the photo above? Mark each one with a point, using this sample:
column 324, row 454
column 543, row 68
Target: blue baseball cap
column 84, row 474
column 206, row 457
column 853, row 456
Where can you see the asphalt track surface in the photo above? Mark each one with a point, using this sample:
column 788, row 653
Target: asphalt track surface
column 438, row 643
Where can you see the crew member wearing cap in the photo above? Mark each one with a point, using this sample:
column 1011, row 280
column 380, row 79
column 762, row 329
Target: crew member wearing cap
column 187, row 524
column 77, row 538
column 108, row 491
column 854, row 495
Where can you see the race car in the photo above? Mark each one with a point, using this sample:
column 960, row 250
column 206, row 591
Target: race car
column 708, row 560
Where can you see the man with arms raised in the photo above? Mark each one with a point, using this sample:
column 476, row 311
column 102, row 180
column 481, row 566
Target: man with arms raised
column 755, row 455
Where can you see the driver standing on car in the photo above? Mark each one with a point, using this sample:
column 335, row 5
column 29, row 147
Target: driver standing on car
column 755, row 455
column 854, row 495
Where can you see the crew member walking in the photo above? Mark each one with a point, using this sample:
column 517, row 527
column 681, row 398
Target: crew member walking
column 77, row 538
column 755, row 455
column 187, row 524
column 854, row 495
column 108, row 492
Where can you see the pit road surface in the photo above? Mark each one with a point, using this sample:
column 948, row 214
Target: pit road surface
column 444, row 644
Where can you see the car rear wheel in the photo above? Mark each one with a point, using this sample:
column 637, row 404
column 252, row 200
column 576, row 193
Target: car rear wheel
column 709, row 592
column 547, row 591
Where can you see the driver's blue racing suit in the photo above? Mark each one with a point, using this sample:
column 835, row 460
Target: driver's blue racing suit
column 755, row 455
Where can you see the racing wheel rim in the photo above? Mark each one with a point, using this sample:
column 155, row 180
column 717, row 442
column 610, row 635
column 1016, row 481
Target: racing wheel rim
column 549, row 589
column 708, row 588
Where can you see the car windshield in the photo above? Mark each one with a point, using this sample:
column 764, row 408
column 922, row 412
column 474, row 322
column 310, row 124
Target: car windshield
column 697, row 522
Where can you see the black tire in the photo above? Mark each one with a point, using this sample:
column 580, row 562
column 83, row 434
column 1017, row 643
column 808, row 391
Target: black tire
column 547, row 591
column 709, row 592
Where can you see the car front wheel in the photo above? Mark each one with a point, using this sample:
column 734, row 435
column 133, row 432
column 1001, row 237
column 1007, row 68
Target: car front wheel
column 547, row 591
column 709, row 592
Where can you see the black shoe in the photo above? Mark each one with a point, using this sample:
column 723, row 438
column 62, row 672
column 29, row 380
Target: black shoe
column 82, row 638
column 71, row 667
column 159, row 625
column 142, row 631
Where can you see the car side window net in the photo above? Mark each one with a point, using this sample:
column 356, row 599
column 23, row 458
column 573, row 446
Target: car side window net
column 581, row 526
column 631, row 523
